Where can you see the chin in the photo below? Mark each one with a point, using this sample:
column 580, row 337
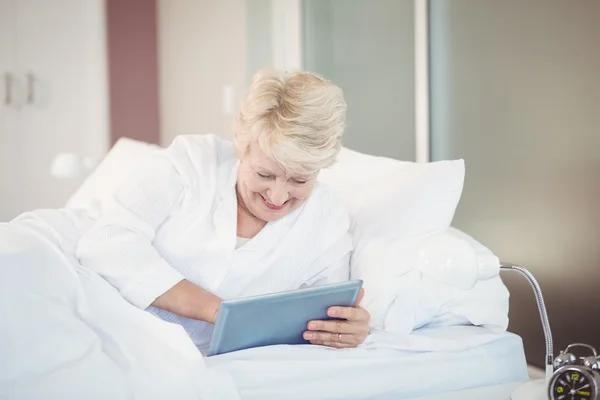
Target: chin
column 270, row 217
column 273, row 215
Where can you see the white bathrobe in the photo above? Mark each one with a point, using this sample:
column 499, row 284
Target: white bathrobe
column 176, row 219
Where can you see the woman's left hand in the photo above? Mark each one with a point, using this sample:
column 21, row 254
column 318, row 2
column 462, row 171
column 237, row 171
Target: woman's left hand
column 349, row 332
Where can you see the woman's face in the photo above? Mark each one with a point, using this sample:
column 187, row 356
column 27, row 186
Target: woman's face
column 266, row 191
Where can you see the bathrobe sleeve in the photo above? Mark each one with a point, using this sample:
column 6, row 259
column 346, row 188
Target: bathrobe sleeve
column 119, row 246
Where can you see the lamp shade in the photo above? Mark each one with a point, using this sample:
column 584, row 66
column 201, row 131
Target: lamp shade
column 448, row 259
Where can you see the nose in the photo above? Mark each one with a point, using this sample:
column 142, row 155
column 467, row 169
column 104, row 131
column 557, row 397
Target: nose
column 277, row 194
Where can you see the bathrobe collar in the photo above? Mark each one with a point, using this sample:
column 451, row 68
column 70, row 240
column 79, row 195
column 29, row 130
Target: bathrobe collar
column 226, row 213
column 247, row 258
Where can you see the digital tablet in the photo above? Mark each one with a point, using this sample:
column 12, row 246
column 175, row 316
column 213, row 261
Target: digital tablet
column 277, row 318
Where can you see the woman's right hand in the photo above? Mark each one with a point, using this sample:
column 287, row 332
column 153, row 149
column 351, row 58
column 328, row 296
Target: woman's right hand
column 191, row 301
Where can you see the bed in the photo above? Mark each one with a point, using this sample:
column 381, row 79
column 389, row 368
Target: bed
column 439, row 308
column 376, row 373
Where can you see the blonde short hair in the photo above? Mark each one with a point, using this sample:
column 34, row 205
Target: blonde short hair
column 297, row 119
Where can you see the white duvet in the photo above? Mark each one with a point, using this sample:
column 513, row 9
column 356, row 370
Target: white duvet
column 67, row 334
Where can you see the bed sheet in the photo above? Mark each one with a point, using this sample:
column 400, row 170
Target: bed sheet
column 300, row 372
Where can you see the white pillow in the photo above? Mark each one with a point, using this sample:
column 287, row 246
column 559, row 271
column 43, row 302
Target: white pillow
column 394, row 206
column 123, row 158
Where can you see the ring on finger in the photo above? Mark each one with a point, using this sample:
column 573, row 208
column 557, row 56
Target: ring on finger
column 339, row 337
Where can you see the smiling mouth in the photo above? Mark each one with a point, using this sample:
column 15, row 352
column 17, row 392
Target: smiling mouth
column 271, row 206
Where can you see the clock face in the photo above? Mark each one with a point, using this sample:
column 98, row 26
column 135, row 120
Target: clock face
column 572, row 384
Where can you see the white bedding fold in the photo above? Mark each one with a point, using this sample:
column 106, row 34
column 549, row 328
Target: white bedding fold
column 68, row 334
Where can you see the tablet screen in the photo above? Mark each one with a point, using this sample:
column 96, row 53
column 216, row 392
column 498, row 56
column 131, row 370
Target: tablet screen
column 278, row 318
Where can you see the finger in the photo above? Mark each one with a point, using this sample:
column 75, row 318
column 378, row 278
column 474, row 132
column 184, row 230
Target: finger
column 349, row 340
column 337, row 345
column 361, row 294
column 349, row 313
column 325, row 336
column 339, row 326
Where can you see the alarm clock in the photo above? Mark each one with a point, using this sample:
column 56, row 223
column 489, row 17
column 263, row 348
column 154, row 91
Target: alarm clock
column 575, row 378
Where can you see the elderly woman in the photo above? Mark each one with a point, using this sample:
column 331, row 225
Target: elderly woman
column 207, row 220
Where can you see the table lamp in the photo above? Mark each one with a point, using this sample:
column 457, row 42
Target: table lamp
column 456, row 259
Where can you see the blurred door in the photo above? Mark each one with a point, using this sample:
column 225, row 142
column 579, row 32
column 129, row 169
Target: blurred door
column 54, row 54
column 515, row 92
column 367, row 48
column 60, row 51
column 10, row 90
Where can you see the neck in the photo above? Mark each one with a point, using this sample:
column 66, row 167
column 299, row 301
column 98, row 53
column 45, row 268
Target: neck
column 241, row 205
column 248, row 225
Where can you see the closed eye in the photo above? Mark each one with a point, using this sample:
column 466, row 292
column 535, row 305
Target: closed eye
column 299, row 181
column 264, row 176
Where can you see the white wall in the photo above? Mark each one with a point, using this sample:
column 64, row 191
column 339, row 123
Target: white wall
column 202, row 48
column 515, row 92
column 259, row 36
